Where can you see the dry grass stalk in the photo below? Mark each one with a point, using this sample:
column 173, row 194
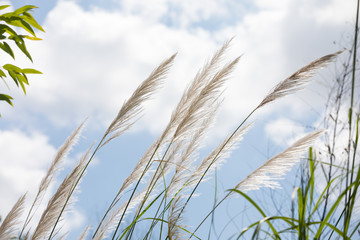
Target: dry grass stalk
column 273, row 169
column 8, row 226
column 53, row 211
column 297, row 80
column 132, row 107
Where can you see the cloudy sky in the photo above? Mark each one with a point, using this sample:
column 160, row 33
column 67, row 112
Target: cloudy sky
column 95, row 53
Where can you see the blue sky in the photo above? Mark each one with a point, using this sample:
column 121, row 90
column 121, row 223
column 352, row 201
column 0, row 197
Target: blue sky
column 95, row 53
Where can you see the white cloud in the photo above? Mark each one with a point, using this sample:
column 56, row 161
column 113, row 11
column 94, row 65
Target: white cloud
column 24, row 159
column 284, row 132
column 92, row 59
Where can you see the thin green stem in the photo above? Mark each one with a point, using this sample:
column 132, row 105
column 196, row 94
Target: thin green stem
column 135, row 188
column 348, row 197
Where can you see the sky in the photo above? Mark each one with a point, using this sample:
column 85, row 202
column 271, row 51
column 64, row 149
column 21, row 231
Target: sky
column 95, row 53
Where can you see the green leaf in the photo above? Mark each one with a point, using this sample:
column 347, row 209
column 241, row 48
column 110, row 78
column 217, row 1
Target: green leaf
column 4, row 6
column 4, row 46
column 7, row 29
column 11, row 67
column 33, row 38
column 21, row 44
column 7, row 98
column 24, row 9
column 2, row 74
column 21, row 23
column 30, row 19
column 13, row 76
column 10, row 16
column 30, row 71
column 22, row 80
column 276, row 234
column 27, row 27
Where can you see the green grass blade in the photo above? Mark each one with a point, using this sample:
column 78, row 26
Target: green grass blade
column 276, row 234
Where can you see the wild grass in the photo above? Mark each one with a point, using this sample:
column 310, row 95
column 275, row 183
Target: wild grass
column 171, row 165
column 329, row 210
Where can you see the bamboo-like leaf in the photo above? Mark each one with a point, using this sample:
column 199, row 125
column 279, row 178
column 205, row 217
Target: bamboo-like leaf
column 30, row 71
column 25, row 8
column 11, row 67
column 4, row 6
column 6, row 98
column 4, row 46
column 30, row 19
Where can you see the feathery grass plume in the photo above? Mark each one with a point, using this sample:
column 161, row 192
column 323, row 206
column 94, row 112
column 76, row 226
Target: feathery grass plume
column 188, row 156
column 111, row 221
column 197, row 110
column 217, row 156
column 50, row 174
column 84, row 233
column 134, row 176
column 54, row 209
column 130, row 110
column 297, row 80
column 202, row 90
column 132, row 107
column 273, row 169
column 201, row 79
column 8, row 226
column 174, row 219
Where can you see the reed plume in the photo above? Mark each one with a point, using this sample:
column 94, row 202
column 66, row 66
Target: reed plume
column 50, row 174
column 268, row 174
column 132, row 107
column 8, row 226
column 174, row 219
column 111, row 221
column 84, row 233
column 211, row 91
column 189, row 155
column 218, row 155
column 54, row 209
column 192, row 92
column 298, row 80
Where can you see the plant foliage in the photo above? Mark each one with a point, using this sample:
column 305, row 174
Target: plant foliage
column 12, row 25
